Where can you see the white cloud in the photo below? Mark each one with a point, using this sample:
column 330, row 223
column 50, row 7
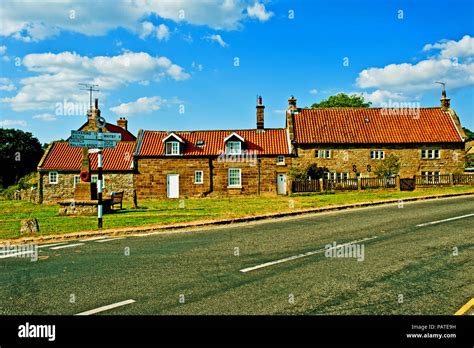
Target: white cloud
column 11, row 123
column 33, row 21
column 162, row 32
column 3, row 50
column 6, row 84
column 379, row 96
column 258, row 11
column 59, row 75
column 453, row 49
column 147, row 29
column 217, row 38
column 45, row 117
column 399, row 80
column 142, row 105
column 313, row 91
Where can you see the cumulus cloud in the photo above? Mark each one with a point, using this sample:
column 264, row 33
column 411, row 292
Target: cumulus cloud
column 45, row 117
column 453, row 49
column 12, row 123
column 217, row 38
column 313, row 91
column 32, row 21
column 161, row 32
column 60, row 73
column 142, row 105
column 397, row 81
column 258, row 11
column 6, row 84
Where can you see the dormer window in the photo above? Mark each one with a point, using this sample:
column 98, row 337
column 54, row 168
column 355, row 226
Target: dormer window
column 234, row 147
column 233, row 144
column 173, row 145
column 172, row 148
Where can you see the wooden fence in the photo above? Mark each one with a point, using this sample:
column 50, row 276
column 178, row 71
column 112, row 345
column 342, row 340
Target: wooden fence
column 373, row 183
column 444, row 180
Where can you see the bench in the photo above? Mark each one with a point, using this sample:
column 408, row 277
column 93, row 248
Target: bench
column 117, row 198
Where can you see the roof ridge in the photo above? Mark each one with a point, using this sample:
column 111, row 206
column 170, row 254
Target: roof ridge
column 209, row 130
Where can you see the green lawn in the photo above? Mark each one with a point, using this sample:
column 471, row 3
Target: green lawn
column 163, row 212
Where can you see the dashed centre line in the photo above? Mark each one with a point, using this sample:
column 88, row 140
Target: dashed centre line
column 445, row 220
column 299, row 256
column 67, row 246
column 108, row 240
column 106, row 308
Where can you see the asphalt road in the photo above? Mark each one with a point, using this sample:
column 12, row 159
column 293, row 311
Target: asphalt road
column 412, row 264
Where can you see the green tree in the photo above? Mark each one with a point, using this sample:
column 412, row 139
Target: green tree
column 469, row 133
column 388, row 167
column 20, row 153
column 342, row 100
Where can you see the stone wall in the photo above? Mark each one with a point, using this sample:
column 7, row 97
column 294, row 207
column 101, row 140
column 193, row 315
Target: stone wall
column 151, row 176
column 64, row 189
column 344, row 158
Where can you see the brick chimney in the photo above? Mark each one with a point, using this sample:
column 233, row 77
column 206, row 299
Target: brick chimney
column 290, row 117
column 445, row 102
column 260, row 113
column 93, row 113
column 122, row 122
column 292, row 103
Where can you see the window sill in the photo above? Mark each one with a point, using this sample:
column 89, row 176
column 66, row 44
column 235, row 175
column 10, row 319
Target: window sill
column 281, row 164
column 198, row 183
column 234, row 187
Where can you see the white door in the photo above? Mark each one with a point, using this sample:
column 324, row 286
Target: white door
column 172, row 181
column 281, row 184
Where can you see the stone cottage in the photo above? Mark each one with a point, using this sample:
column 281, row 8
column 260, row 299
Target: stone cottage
column 60, row 166
column 351, row 142
column 176, row 164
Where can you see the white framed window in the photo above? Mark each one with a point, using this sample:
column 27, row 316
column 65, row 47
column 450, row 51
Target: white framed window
column 198, row 177
column 172, row 148
column 322, row 154
column 281, row 160
column 77, row 179
column 342, row 176
column 377, row 154
column 430, row 153
column 430, row 177
column 234, row 147
column 234, row 177
column 329, row 175
column 53, row 178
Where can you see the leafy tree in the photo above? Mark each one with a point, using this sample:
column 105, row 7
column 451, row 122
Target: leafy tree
column 388, row 167
column 306, row 169
column 342, row 100
column 469, row 133
column 20, row 153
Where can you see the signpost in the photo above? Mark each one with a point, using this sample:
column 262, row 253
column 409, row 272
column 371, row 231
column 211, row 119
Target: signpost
column 96, row 140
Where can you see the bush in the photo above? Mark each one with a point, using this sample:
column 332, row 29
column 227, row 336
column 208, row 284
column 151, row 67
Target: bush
column 28, row 181
column 9, row 192
column 306, row 169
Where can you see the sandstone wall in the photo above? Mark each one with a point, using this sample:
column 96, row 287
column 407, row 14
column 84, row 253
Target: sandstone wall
column 343, row 159
column 151, row 176
column 64, row 189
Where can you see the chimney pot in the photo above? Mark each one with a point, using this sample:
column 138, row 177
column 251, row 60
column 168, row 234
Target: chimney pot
column 292, row 103
column 123, row 123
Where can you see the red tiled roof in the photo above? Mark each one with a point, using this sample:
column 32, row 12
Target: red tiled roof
column 268, row 142
column 374, row 126
column 63, row 157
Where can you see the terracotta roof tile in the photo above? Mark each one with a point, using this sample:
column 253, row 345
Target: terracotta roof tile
column 63, row 157
column 268, row 142
column 374, row 126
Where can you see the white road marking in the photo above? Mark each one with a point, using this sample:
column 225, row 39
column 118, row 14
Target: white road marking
column 309, row 253
column 445, row 220
column 106, row 308
column 17, row 254
column 67, row 246
column 108, row 240
column 91, row 239
column 49, row 245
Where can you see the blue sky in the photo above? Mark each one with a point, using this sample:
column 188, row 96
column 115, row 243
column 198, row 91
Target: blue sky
column 171, row 64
